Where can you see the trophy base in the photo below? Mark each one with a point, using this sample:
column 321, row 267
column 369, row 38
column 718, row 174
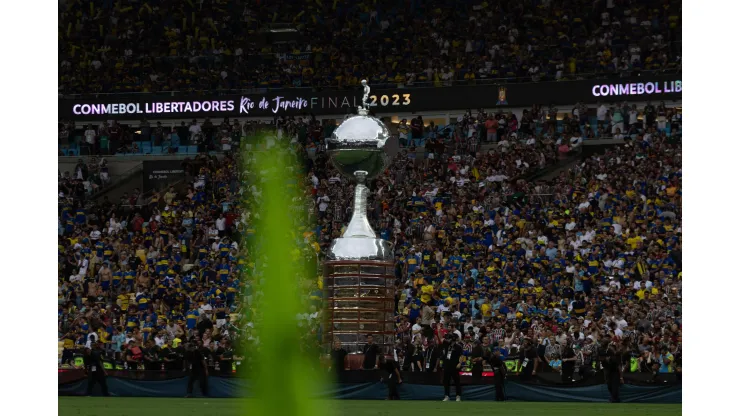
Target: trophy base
column 360, row 248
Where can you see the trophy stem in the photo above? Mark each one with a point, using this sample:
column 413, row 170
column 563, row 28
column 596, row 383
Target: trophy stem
column 359, row 226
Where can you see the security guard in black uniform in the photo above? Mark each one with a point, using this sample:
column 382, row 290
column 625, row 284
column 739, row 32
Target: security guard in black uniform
column 93, row 360
column 394, row 376
column 499, row 374
column 225, row 354
column 451, row 353
column 431, row 357
column 568, row 367
column 613, row 372
column 196, row 367
column 476, row 357
column 528, row 360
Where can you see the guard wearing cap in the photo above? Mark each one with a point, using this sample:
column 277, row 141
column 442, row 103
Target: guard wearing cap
column 451, row 354
column 93, row 360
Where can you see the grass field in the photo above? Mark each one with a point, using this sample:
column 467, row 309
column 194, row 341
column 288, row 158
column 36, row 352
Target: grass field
column 98, row 406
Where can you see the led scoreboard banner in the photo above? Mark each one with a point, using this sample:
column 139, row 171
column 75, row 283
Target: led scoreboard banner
column 303, row 102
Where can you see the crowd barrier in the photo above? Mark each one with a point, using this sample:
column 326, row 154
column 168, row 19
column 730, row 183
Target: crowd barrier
column 366, row 385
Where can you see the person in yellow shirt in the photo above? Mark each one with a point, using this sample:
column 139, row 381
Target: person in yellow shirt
column 485, row 309
column 427, row 291
column 419, row 280
column 634, row 241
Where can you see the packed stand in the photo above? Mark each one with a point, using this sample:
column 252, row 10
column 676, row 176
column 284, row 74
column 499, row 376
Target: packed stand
column 138, row 273
column 166, row 45
column 551, row 279
column 593, row 255
column 146, row 275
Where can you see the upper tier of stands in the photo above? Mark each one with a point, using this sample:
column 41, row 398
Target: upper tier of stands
column 129, row 46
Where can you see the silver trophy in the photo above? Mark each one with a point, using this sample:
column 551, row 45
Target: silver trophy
column 357, row 149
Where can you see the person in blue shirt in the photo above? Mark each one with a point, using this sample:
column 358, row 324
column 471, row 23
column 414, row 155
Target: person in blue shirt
column 427, row 257
column 551, row 251
column 191, row 318
column 80, row 216
column 412, row 264
column 665, row 360
column 224, row 247
column 147, row 327
column 132, row 321
column 117, row 341
column 99, row 247
column 414, row 310
column 456, row 260
column 142, row 300
column 108, row 250
column 223, row 270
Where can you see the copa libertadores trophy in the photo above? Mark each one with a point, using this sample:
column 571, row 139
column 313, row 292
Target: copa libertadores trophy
column 359, row 270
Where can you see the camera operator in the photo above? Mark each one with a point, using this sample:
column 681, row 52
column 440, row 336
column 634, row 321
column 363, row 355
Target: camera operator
column 451, row 354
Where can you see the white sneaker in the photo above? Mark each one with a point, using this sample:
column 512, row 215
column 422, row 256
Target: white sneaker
column 458, row 399
column 446, row 399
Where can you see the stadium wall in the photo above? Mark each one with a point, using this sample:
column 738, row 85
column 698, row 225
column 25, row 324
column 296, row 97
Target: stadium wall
column 663, row 391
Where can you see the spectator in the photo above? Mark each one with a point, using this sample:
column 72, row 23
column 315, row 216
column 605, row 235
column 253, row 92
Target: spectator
column 90, row 140
column 212, row 51
column 491, row 129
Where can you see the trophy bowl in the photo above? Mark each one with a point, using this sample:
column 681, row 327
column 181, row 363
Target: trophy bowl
column 358, row 144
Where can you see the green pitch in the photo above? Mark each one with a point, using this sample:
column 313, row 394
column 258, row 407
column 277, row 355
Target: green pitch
column 113, row 406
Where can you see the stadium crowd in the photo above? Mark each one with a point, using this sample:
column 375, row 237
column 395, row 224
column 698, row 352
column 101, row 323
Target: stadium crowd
column 131, row 271
column 591, row 259
column 547, row 268
column 166, row 45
